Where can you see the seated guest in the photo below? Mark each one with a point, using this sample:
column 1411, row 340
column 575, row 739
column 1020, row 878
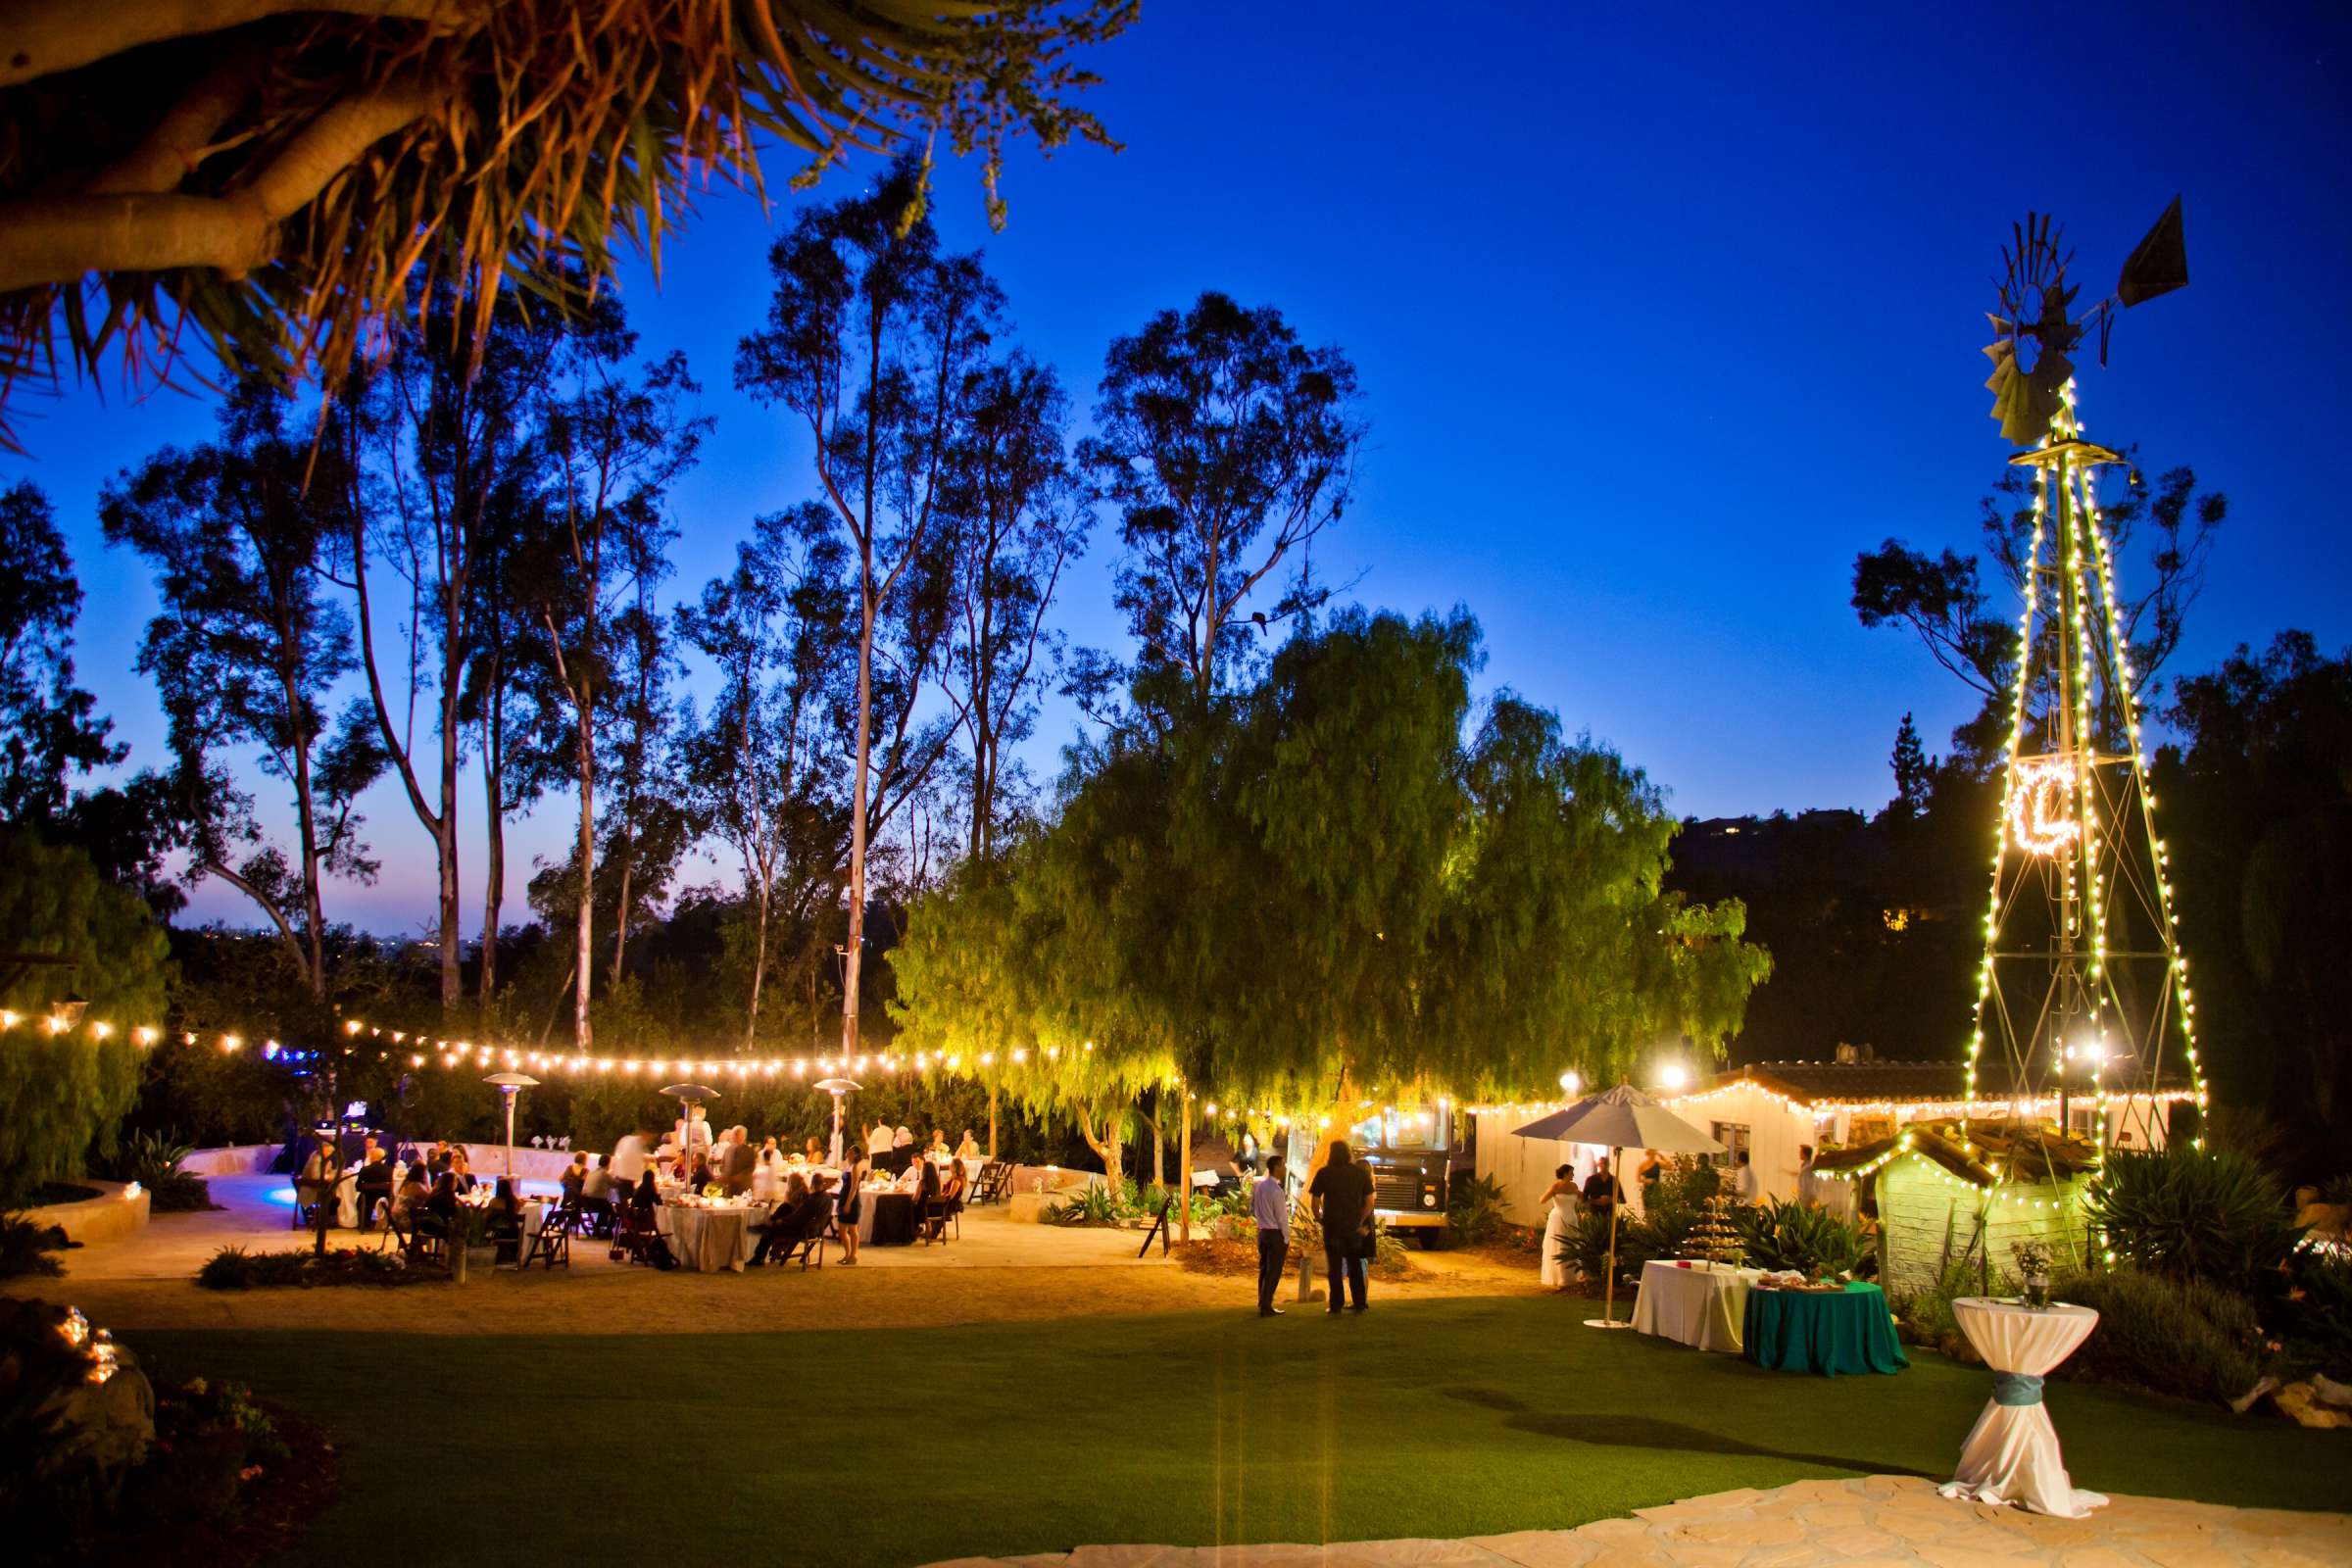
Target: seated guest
column 648, row 1194
column 701, row 1177
column 783, row 1227
column 969, row 1148
column 814, row 1151
column 505, row 1226
column 575, row 1180
column 320, row 1165
column 596, row 1187
column 901, row 1139
column 375, row 1186
column 463, row 1169
column 440, row 1157
column 441, row 1208
column 927, row 1192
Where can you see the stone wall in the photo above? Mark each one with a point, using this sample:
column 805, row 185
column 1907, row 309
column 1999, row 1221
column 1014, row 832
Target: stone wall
column 1927, row 1217
column 117, row 1214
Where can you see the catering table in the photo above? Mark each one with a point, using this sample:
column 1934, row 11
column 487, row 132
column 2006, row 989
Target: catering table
column 708, row 1239
column 1698, row 1305
column 1837, row 1333
column 2011, row 1452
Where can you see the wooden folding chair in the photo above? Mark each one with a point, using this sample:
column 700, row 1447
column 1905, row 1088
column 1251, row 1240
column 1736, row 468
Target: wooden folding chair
column 550, row 1243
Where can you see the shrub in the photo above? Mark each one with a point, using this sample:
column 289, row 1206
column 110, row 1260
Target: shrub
column 1811, row 1239
column 1474, row 1209
column 232, row 1268
column 152, row 1160
column 1585, row 1251
column 1092, row 1204
column 2192, row 1214
column 24, row 1247
column 2318, row 1314
column 65, row 1093
column 2185, row 1337
column 1925, row 1318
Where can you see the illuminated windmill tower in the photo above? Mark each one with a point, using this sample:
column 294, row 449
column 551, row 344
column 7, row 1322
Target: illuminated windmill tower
column 2083, row 995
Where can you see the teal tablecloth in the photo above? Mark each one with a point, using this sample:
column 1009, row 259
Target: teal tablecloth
column 1843, row 1335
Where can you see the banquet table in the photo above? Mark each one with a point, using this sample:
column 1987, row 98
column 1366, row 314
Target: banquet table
column 1836, row 1334
column 885, row 1218
column 2011, row 1452
column 1699, row 1305
column 708, row 1239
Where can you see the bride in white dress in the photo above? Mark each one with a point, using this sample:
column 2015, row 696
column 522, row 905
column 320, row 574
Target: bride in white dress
column 1559, row 1199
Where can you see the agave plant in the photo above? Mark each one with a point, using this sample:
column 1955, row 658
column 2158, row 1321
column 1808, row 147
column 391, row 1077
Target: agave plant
column 2191, row 1213
column 1811, row 1241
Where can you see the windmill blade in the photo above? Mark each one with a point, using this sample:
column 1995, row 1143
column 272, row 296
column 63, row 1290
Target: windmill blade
column 2158, row 264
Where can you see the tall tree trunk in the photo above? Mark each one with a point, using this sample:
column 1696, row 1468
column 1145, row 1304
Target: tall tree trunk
column 1184, row 1160
column 584, row 964
column 751, row 1022
column 992, row 1123
column 311, row 912
column 853, row 964
column 493, row 796
column 453, row 984
column 621, row 916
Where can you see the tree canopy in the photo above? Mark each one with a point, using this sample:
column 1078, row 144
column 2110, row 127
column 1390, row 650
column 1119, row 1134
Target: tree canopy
column 1330, row 880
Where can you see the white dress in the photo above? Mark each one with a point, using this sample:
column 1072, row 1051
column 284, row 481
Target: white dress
column 1556, row 1225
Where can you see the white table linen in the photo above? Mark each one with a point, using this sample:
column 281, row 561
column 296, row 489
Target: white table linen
column 2011, row 1452
column 708, row 1239
column 1700, row 1306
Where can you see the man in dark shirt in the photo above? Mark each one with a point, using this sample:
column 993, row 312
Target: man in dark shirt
column 1342, row 1195
column 1601, row 1191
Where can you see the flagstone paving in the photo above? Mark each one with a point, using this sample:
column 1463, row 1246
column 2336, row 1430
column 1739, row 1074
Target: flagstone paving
column 1876, row 1522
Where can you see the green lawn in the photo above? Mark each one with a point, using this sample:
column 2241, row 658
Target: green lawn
column 853, row 1447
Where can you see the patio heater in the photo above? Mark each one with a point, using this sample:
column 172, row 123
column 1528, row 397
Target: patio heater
column 840, row 1088
column 508, row 1085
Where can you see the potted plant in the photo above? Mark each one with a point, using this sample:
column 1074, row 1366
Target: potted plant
column 2033, row 1270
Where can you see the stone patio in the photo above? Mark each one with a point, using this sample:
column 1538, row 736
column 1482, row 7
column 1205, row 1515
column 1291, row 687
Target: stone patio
column 1876, row 1522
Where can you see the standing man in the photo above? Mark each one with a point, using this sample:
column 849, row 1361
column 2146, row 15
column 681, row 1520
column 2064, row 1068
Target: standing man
column 1744, row 1184
column 628, row 1159
column 1341, row 1193
column 1601, row 1191
column 1270, row 1202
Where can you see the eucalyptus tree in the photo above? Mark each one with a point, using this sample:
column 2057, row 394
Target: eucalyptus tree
column 871, row 336
column 509, row 700
column 649, row 818
column 426, row 452
column 765, row 764
column 610, row 445
column 248, row 650
column 49, row 726
column 1229, row 447
column 1018, row 521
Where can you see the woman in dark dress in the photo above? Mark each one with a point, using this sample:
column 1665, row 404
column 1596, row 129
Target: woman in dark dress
column 853, row 1199
column 927, row 1194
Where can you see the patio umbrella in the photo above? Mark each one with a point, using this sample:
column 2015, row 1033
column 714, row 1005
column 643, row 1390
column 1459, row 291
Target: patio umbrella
column 839, row 1089
column 688, row 1095
column 1620, row 1118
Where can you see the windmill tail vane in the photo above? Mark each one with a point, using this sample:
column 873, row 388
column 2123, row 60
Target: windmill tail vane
column 2035, row 334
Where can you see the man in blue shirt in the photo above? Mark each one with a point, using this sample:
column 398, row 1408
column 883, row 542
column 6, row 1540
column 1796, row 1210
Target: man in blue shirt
column 1270, row 1204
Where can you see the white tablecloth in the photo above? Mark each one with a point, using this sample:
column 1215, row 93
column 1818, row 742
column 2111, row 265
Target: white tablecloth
column 1702, row 1307
column 708, row 1239
column 2011, row 1452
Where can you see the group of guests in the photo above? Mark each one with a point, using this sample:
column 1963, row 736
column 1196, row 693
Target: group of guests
column 1339, row 1196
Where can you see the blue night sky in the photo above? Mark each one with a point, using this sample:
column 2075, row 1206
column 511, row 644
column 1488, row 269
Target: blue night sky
column 1661, row 314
